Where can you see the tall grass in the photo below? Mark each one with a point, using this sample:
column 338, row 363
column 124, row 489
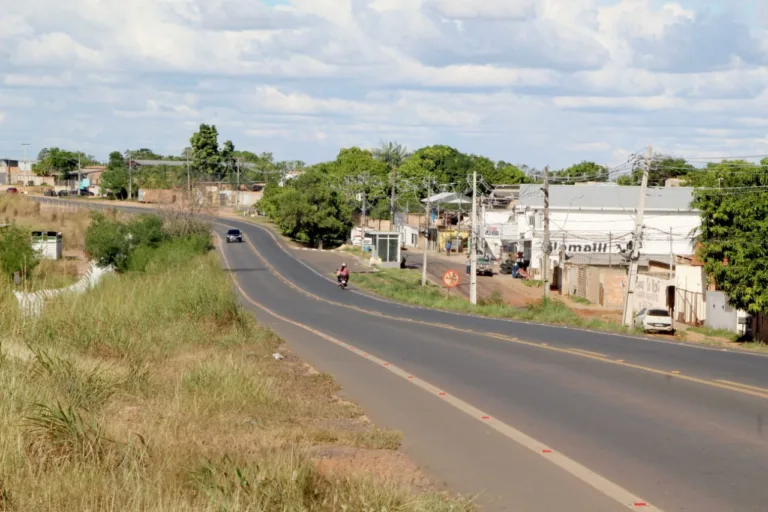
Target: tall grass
column 156, row 391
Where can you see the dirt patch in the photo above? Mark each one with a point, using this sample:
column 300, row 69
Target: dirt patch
column 387, row 464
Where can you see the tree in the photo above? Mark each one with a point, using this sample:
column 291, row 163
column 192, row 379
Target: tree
column 662, row 169
column 115, row 177
column 207, row 157
column 60, row 162
column 309, row 209
column 734, row 230
column 16, row 252
column 392, row 153
column 584, row 171
column 443, row 163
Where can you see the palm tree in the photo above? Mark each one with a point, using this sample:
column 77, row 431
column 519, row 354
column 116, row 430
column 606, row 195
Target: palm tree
column 393, row 154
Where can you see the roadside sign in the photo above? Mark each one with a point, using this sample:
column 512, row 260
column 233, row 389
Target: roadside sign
column 451, row 279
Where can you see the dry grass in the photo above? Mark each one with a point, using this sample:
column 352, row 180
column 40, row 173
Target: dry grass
column 70, row 219
column 156, row 392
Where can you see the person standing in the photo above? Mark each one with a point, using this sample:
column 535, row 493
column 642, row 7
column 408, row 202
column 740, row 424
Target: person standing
column 448, row 248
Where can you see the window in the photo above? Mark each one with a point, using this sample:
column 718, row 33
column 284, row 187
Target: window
column 658, row 312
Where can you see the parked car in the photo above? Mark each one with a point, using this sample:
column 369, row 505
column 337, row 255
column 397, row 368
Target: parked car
column 63, row 193
column 86, row 192
column 484, row 267
column 49, row 192
column 12, row 190
column 234, row 235
column 654, row 320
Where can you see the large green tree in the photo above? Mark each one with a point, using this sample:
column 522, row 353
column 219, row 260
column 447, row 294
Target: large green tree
column 584, row 171
column 310, row 209
column 60, row 162
column 733, row 199
column 207, row 157
column 662, row 168
column 115, row 177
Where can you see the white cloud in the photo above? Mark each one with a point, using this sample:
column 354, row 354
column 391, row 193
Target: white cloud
column 2, row 117
column 498, row 77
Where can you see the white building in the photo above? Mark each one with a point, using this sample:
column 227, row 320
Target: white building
column 593, row 224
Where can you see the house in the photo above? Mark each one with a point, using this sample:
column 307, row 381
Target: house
column 8, row 170
column 90, row 175
column 594, row 225
column 690, row 290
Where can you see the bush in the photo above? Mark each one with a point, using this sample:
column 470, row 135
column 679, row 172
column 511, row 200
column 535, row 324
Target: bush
column 106, row 242
column 170, row 254
column 133, row 246
column 16, row 252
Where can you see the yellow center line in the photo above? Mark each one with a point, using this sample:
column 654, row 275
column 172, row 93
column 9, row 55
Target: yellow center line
column 745, row 386
column 597, row 354
column 730, row 386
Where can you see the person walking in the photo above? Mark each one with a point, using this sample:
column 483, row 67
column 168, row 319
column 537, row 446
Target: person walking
column 448, row 248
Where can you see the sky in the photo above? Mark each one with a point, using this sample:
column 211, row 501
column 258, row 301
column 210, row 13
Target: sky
column 535, row 82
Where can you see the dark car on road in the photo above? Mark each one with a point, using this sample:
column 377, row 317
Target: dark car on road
column 234, row 235
column 12, row 190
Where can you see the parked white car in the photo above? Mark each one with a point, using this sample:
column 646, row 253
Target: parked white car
column 654, row 320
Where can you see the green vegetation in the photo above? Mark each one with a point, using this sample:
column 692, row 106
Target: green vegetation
column 134, row 244
column 157, row 392
column 60, row 162
column 532, row 283
column 405, row 286
column 733, row 230
column 580, row 300
column 307, row 209
column 16, row 252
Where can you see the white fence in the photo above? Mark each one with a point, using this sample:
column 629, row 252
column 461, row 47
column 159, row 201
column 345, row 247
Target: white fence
column 31, row 304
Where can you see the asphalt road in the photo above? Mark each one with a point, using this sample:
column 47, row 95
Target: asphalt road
column 678, row 425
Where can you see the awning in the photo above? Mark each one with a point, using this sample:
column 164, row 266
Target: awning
column 448, row 198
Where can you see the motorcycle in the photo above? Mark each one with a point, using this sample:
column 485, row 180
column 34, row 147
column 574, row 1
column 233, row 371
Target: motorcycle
column 343, row 282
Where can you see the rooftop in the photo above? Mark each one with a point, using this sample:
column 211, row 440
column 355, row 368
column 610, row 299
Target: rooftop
column 607, row 196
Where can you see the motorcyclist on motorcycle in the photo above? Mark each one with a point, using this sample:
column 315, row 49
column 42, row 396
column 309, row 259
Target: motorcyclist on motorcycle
column 342, row 273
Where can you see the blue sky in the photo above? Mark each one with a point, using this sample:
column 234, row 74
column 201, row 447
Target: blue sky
column 537, row 82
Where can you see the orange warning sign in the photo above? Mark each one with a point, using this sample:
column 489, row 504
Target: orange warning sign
column 451, row 279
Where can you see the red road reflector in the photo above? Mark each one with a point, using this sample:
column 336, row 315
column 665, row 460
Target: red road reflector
column 410, row 376
column 386, row 364
column 442, row 393
column 485, row 418
column 641, row 504
column 546, row 450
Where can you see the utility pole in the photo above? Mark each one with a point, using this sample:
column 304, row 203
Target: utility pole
column 545, row 240
column 392, row 201
column 26, row 165
column 635, row 256
column 189, row 183
column 130, row 176
column 671, row 255
column 426, row 238
column 473, row 245
column 237, row 196
column 362, row 219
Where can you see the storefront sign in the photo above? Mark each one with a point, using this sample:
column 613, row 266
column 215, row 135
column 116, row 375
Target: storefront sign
column 583, row 246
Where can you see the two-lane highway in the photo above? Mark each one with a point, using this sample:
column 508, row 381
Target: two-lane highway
column 677, row 425
column 656, row 418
